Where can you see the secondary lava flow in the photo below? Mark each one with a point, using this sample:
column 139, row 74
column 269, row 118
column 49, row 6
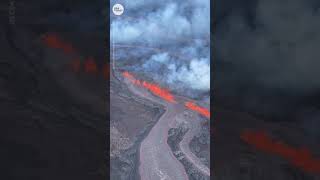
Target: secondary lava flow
column 154, row 88
column 53, row 41
column 200, row 110
column 299, row 157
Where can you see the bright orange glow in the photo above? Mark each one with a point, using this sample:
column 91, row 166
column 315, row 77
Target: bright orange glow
column 129, row 76
column 299, row 157
column 154, row 88
column 157, row 90
column 201, row 110
column 52, row 40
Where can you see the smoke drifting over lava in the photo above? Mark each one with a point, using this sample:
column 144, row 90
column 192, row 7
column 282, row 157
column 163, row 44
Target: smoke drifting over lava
column 179, row 28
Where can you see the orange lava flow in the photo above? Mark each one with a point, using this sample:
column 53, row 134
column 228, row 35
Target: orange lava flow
column 163, row 93
column 298, row 157
column 54, row 41
column 154, row 88
column 90, row 66
column 201, row 110
column 129, row 76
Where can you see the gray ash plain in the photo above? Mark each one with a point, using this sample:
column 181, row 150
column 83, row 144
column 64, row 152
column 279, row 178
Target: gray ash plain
column 132, row 118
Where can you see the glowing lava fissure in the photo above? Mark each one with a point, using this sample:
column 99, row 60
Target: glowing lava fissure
column 298, row 157
column 201, row 110
column 154, row 88
column 54, row 41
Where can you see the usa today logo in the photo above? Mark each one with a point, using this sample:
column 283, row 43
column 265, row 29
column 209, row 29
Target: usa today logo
column 117, row 9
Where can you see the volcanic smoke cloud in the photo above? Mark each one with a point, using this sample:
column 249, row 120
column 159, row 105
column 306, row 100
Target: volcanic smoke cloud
column 275, row 43
column 180, row 29
column 269, row 47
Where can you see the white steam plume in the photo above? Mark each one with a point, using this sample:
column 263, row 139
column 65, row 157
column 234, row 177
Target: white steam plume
column 177, row 27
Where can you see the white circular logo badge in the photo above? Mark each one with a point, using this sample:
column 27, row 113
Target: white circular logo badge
column 117, row 9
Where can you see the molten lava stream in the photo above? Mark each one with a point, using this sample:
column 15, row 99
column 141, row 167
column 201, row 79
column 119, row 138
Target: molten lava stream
column 203, row 111
column 298, row 157
column 154, row 88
